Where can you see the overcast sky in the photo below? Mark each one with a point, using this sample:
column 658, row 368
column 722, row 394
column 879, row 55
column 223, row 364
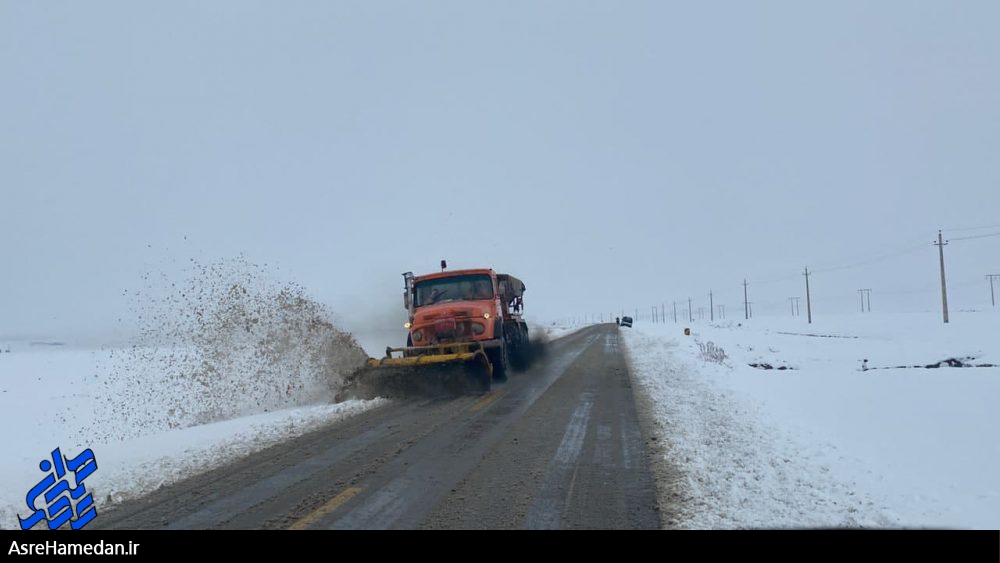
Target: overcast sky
column 610, row 154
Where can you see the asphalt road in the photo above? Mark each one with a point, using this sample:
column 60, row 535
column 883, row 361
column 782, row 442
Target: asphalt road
column 560, row 445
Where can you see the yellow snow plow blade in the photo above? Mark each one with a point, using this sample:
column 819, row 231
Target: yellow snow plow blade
column 421, row 360
column 452, row 369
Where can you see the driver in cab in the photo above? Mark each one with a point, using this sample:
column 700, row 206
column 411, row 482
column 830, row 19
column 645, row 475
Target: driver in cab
column 481, row 290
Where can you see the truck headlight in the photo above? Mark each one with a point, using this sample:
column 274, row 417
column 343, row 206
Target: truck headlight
column 486, row 315
column 478, row 328
column 418, row 335
column 407, row 325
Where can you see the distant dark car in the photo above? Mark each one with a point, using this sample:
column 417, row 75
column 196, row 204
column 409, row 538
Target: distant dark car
column 627, row 321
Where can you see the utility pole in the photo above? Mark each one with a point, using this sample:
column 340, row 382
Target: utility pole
column 746, row 306
column 663, row 312
column 791, row 304
column 690, row 313
column 809, row 311
column 675, row 312
column 795, row 309
column 711, row 306
column 944, row 288
column 993, row 298
column 722, row 311
column 863, row 293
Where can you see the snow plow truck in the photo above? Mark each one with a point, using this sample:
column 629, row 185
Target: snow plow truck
column 464, row 330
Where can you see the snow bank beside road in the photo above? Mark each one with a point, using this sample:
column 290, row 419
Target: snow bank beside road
column 825, row 443
column 227, row 363
column 47, row 402
column 554, row 331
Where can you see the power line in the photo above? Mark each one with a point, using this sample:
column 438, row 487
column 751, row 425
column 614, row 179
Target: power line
column 975, row 236
column 975, row 228
column 907, row 250
column 775, row 280
column 931, row 287
column 892, row 252
column 873, row 259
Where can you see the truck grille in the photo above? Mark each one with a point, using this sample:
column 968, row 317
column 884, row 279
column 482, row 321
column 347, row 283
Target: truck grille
column 453, row 331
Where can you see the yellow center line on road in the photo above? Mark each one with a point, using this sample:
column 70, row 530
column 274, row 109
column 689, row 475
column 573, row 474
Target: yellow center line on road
column 485, row 401
column 330, row 506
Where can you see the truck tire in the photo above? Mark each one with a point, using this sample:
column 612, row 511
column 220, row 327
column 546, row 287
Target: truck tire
column 500, row 358
column 520, row 352
column 409, row 342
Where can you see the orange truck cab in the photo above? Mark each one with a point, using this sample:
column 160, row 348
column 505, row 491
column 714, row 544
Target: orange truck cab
column 449, row 310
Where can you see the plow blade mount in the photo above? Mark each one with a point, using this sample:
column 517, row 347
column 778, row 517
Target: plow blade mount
column 428, row 372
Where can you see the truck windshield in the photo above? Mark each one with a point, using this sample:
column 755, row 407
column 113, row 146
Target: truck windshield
column 457, row 288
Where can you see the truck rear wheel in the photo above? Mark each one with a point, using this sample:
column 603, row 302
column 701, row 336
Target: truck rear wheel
column 519, row 352
column 500, row 358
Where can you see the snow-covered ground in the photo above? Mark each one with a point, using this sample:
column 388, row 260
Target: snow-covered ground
column 828, row 441
column 831, row 440
column 556, row 330
column 226, row 361
column 76, row 398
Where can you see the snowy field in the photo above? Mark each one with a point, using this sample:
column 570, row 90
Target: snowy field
column 829, row 441
column 125, row 411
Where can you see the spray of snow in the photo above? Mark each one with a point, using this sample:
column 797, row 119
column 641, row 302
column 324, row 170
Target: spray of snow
column 226, row 342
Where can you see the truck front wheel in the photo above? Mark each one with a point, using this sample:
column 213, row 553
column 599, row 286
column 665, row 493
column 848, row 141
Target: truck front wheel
column 409, row 342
